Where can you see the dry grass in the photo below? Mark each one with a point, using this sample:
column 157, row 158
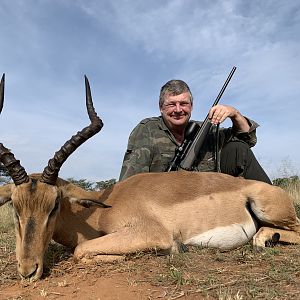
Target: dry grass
column 7, row 245
column 6, row 220
column 294, row 191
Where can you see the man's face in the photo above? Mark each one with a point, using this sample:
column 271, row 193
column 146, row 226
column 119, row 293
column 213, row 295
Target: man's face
column 176, row 110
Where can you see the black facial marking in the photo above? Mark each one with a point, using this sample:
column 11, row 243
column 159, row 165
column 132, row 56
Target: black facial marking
column 33, row 185
column 29, row 233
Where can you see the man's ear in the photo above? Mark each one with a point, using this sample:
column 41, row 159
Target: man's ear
column 5, row 193
column 88, row 203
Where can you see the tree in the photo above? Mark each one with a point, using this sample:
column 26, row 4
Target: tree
column 83, row 183
column 287, row 182
column 101, row 185
column 4, row 175
column 92, row 186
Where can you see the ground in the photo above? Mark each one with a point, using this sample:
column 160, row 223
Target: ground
column 243, row 273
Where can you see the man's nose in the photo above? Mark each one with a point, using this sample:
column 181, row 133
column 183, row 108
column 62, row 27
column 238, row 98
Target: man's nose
column 178, row 107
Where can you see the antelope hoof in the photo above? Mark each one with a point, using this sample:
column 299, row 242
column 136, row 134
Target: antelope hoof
column 78, row 253
column 273, row 241
column 258, row 249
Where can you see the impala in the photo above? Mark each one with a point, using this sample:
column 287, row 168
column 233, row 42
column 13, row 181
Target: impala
column 145, row 211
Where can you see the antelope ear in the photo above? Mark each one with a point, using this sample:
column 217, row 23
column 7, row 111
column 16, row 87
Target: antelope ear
column 5, row 193
column 88, row 203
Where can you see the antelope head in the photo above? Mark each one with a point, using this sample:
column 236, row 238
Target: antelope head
column 36, row 200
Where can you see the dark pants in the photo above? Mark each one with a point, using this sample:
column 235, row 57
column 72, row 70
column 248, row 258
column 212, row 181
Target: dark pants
column 237, row 159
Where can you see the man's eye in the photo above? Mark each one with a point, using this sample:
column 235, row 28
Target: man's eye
column 170, row 105
column 184, row 103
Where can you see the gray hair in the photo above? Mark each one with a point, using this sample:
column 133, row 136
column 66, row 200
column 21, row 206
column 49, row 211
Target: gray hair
column 174, row 87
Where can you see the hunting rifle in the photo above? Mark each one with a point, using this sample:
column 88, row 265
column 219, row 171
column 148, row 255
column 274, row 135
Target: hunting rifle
column 195, row 135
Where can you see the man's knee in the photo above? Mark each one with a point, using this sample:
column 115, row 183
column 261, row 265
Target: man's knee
column 237, row 159
column 235, row 156
column 235, row 147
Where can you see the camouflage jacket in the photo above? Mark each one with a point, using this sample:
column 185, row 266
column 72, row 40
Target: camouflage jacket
column 151, row 147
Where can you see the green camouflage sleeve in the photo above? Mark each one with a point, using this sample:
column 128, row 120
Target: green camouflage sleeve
column 249, row 137
column 137, row 158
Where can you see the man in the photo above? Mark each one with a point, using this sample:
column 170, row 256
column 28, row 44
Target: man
column 153, row 142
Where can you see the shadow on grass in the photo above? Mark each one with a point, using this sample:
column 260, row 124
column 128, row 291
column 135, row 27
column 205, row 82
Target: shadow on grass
column 55, row 256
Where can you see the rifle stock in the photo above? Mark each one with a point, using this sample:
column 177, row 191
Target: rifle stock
column 195, row 136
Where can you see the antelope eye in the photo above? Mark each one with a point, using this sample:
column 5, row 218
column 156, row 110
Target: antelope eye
column 17, row 215
column 55, row 208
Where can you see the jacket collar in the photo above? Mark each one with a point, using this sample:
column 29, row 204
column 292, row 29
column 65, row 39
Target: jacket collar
column 162, row 125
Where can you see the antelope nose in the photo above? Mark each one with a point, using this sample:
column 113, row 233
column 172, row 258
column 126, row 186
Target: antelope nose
column 27, row 270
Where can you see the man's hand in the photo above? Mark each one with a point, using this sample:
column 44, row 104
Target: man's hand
column 219, row 113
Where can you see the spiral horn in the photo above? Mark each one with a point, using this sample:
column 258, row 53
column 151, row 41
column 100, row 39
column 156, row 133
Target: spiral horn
column 50, row 173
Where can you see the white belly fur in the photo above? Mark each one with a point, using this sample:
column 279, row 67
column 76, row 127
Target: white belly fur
column 226, row 237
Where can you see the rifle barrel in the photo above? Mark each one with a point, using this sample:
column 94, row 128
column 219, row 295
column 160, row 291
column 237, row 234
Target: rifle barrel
column 224, row 86
column 186, row 162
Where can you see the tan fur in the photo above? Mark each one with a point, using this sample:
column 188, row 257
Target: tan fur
column 153, row 210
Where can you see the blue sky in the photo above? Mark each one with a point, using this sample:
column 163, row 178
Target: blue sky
column 128, row 50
